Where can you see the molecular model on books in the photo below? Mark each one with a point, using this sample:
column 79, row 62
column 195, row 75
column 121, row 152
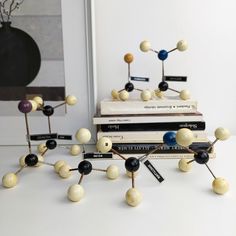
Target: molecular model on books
column 133, row 196
column 123, row 94
column 184, row 137
column 162, row 55
column 76, row 191
column 10, row 180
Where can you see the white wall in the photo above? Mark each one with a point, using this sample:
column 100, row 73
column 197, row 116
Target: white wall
column 209, row 28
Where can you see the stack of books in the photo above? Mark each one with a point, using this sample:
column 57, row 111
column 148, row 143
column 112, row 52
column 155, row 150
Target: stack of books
column 137, row 127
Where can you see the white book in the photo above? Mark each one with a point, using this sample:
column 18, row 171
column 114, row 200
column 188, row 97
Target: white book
column 144, row 136
column 147, row 118
column 167, row 105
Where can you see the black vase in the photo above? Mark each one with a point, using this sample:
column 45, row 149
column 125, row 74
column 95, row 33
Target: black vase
column 20, row 58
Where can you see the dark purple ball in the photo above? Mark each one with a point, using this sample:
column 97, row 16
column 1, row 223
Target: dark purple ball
column 25, row 106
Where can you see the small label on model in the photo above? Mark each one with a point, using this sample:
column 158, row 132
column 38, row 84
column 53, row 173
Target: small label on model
column 142, row 79
column 97, row 155
column 38, row 137
column 64, row 137
column 153, row 170
column 173, row 78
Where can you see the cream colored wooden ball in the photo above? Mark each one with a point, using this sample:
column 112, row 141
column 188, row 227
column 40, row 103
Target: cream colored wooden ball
column 104, row 145
column 115, row 94
column 71, row 100
column 129, row 174
column 133, row 197
column 146, row 95
column 58, row 165
column 64, row 171
column 124, row 95
column 83, row 135
column 38, row 100
column 184, row 137
column 75, row 192
column 9, row 180
column 185, row 94
column 222, row 133
column 184, row 166
column 40, row 159
column 182, row 45
column 42, row 148
column 145, row 46
column 34, row 105
column 22, row 161
column 220, row 186
column 112, row 172
column 75, row 150
column 159, row 93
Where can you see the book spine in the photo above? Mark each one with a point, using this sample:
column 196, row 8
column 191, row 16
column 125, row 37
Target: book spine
column 112, row 108
column 143, row 136
column 136, row 148
column 168, row 126
column 164, row 156
column 145, row 119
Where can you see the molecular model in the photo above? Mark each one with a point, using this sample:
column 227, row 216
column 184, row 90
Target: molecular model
column 129, row 87
column 162, row 55
column 76, row 191
column 184, row 137
column 133, row 196
column 10, row 180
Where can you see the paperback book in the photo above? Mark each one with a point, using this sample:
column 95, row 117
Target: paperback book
column 168, row 105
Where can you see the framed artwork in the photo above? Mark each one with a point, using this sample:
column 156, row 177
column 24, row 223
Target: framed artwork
column 62, row 32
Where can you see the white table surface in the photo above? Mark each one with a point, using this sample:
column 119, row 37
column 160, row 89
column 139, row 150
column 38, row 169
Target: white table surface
column 183, row 204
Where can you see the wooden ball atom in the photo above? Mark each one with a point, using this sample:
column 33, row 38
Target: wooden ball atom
column 75, row 193
column 83, row 135
column 104, row 145
column 75, row 150
column 9, row 180
column 145, row 46
column 64, row 171
column 184, row 137
column 185, row 94
column 34, row 105
column 184, row 165
column 71, row 100
column 220, row 186
column 115, row 94
column 39, row 101
column 124, row 95
column 133, row 197
column 146, row 95
column 58, row 165
column 112, row 172
column 222, row 133
column 128, row 58
column 182, row 45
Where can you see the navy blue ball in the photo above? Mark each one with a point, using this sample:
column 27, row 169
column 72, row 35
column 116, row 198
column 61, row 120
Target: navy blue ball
column 162, row 55
column 169, row 138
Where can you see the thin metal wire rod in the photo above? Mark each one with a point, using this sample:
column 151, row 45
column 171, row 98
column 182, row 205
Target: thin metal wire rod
column 172, row 50
column 73, row 169
column 81, row 178
column 59, row 105
column 154, row 50
column 163, row 71
column 97, row 169
column 46, row 163
column 138, row 89
column 19, row 170
column 208, row 149
column 49, row 125
column 44, row 152
column 191, row 161
column 132, row 175
column 190, row 150
column 150, row 152
column 114, row 151
column 174, row 90
column 121, row 90
column 210, row 171
column 128, row 72
column 28, row 133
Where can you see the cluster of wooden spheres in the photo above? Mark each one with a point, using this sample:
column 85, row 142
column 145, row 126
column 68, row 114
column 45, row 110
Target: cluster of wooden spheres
column 163, row 86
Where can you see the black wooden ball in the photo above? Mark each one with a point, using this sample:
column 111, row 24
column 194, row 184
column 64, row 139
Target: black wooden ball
column 51, row 144
column 31, row 160
column 85, row 167
column 129, row 87
column 48, row 110
column 163, row 86
column 132, row 164
column 201, row 157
